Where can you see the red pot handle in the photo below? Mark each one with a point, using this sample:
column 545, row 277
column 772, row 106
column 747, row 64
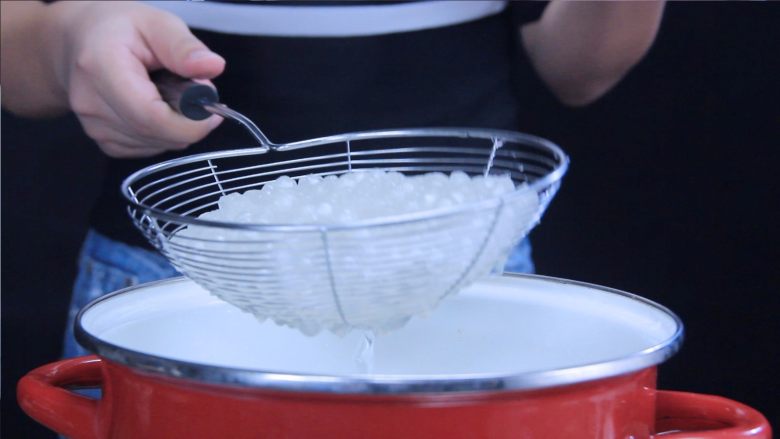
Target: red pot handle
column 683, row 415
column 43, row 395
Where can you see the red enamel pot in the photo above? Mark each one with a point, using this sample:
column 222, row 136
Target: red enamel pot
column 509, row 357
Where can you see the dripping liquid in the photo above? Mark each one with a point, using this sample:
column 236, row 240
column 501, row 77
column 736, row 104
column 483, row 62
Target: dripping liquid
column 364, row 359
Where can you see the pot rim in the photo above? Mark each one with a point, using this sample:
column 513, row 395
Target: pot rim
column 385, row 384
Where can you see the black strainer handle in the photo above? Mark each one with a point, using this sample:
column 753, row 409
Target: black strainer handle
column 198, row 101
column 186, row 96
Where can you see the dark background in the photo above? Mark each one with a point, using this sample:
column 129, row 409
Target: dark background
column 672, row 194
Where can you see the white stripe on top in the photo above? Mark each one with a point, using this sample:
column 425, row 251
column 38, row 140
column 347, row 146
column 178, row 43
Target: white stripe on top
column 326, row 20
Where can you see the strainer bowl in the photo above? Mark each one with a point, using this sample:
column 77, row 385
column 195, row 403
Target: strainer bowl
column 369, row 275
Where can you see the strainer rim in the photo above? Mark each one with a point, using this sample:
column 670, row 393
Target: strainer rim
column 545, row 181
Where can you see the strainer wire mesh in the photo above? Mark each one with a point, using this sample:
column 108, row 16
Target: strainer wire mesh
column 248, row 271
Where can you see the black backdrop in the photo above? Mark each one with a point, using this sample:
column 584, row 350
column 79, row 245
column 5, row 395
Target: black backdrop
column 672, row 194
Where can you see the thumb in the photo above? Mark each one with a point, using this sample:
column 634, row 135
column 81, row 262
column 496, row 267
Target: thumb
column 178, row 50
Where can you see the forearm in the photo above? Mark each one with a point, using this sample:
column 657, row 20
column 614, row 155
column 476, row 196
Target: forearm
column 581, row 49
column 30, row 52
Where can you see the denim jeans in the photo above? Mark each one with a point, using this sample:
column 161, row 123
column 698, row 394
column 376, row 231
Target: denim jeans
column 106, row 265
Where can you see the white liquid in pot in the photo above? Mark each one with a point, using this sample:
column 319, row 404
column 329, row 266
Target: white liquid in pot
column 498, row 326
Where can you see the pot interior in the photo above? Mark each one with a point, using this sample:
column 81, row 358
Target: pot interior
column 509, row 325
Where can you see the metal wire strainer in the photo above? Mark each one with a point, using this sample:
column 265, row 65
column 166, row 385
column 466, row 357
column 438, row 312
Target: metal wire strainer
column 372, row 275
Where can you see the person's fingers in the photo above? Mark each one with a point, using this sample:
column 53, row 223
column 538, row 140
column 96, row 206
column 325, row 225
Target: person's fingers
column 120, row 150
column 124, row 84
column 177, row 50
column 102, row 115
column 106, row 131
column 117, row 144
column 110, row 81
